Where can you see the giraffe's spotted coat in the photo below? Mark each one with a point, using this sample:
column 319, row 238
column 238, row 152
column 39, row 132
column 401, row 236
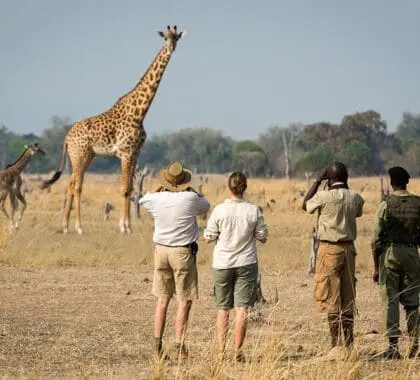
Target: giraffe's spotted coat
column 117, row 132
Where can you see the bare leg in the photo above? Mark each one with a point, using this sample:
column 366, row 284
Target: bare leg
column 127, row 172
column 222, row 327
column 241, row 322
column 181, row 320
column 160, row 316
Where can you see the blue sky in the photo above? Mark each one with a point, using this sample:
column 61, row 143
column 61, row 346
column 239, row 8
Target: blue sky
column 244, row 65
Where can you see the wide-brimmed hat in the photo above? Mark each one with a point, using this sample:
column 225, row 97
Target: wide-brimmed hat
column 175, row 177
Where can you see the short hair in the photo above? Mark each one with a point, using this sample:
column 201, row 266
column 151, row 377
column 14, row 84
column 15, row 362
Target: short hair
column 338, row 172
column 237, row 183
column 399, row 176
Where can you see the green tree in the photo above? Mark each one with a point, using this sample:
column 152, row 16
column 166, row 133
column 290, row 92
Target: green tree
column 320, row 157
column 250, row 158
column 5, row 136
column 357, row 157
column 279, row 144
column 408, row 129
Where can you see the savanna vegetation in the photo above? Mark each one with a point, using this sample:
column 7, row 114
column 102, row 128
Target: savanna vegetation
column 79, row 306
column 362, row 141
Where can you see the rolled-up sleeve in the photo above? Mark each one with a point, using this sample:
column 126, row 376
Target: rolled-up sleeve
column 314, row 203
column 146, row 202
column 261, row 230
column 378, row 226
column 211, row 232
column 201, row 205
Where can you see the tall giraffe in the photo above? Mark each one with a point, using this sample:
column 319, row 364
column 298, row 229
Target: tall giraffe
column 116, row 132
column 11, row 182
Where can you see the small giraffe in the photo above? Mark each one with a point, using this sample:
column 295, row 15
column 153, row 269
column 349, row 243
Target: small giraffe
column 11, row 182
column 117, row 132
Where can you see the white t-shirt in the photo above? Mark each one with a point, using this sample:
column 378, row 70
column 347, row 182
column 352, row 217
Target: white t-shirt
column 175, row 216
column 235, row 225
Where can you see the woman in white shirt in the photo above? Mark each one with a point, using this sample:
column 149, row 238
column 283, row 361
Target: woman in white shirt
column 235, row 225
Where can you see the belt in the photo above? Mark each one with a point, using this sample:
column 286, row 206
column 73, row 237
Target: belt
column 401, row 244
column 177, row 246
column 337, row 242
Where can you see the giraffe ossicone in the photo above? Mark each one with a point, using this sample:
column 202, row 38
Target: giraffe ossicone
column 116, row 132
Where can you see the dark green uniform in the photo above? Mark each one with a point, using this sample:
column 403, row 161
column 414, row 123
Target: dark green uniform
column 397, row 236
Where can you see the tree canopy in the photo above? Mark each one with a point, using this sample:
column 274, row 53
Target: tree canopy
column 360, row 140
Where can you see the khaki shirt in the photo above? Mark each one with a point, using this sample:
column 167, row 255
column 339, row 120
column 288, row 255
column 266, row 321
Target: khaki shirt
column 338, row 210
column 380, row 219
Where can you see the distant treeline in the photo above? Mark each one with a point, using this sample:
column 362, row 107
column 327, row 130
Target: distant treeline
column 361, row 141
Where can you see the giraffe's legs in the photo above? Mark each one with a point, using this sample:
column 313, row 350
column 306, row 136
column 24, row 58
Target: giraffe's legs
column 128, row 166
column 23, row 201
column 78, row 183
column 3, row 197
column 74, row 190
column 79, row 175
column 13, row 204
column 68, row 204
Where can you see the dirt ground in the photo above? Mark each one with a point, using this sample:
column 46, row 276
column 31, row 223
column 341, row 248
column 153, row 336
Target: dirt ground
column 96, row 323
column 80, row 306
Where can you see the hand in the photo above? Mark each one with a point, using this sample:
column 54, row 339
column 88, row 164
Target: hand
column 375, row 276
column 323, row 175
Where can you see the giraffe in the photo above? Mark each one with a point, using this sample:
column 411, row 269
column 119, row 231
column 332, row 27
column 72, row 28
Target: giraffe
column 11, row 182
column 116, row 132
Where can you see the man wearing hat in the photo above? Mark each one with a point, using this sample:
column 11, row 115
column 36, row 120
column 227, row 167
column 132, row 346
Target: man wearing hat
column 395, row 243
column 335, row 287
column 174, row 206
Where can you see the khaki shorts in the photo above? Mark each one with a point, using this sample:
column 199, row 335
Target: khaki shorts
column 335, row 282
column 235, row 287
column 175, row 273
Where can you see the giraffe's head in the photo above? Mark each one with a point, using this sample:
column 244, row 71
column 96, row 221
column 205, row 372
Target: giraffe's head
column 34, row 149
column 171, row 36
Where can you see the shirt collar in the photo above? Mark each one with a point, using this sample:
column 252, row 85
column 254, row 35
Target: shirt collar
column 400, row 192
column 228, row 200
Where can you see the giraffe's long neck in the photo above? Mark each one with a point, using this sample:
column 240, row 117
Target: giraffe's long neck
column 18, row 159
column 137, row 102
column 21, row 162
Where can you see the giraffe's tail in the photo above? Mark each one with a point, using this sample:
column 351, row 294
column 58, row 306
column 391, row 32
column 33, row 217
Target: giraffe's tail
column 57, row 174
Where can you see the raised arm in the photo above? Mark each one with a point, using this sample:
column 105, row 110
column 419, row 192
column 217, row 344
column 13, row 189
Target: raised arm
column 314, row 188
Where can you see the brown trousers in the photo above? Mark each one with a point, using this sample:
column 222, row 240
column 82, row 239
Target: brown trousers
column 335, row 282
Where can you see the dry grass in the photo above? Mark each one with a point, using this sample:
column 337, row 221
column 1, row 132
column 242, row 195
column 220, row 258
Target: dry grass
column 80, row 306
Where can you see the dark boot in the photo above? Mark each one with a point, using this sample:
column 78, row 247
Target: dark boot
column 348, row 324
column 182, row 352
column 334, row 325
column 412, row 315
column 158, row 349
column 414, row 348
column 392, row 352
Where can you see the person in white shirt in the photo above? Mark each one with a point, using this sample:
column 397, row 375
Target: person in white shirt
column 235, row 225
column 174, row 206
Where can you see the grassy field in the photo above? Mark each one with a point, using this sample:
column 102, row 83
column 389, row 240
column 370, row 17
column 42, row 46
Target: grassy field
column 80, row 306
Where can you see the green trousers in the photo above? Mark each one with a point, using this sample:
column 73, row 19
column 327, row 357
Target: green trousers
column 400, row 283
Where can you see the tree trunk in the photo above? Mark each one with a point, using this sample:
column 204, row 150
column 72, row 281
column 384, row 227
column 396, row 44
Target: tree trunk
column 286, row 158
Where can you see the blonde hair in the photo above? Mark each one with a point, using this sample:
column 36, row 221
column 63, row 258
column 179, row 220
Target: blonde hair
column 237, row 183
